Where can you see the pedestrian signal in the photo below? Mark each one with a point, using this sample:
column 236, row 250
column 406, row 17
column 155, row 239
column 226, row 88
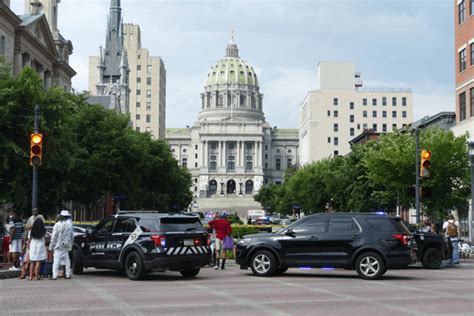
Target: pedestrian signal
column 36, row 149
column 425, row 163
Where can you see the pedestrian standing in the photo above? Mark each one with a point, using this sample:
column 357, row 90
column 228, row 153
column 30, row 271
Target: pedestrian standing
column 451, row 231
column 5, row 245
column 222, row 227
column 426, row 226
column 34, row 214
column 26, row 243
column 61, row 243
column 16, row 237
column 37, row 247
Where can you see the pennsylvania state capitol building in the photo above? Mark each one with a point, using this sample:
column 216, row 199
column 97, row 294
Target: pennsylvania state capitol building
column 231, row 151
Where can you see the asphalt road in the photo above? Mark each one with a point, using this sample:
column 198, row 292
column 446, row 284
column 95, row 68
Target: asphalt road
column 236, row 292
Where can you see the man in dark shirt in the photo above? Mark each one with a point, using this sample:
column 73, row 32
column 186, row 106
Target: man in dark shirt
column 16, row 237
column 223, row 229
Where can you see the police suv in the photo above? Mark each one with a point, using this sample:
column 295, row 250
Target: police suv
column 143, row 241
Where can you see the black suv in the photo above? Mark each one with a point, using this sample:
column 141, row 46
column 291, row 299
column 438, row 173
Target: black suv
column 139, row 242
column 368, row 243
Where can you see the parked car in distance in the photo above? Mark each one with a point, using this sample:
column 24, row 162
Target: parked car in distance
column 285, row 220
column 198, row 214
column 430, row 248
column 367, row 242
column 139, row 242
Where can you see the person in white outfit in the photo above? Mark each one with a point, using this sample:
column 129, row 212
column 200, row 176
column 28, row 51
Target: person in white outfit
column 61, row 244
column 37, row 247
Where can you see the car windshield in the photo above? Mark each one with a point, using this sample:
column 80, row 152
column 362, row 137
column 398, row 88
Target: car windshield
column 180, row 224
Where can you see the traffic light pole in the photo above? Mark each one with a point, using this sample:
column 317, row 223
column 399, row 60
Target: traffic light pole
column 34, row 196
column 417, row 183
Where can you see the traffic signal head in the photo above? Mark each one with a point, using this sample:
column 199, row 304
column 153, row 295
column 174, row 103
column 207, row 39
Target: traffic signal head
column 36, row 149
column 425, row 163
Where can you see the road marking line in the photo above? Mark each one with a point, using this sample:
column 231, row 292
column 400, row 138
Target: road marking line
column 239, row 300
column 120, row 305
column 349, row 297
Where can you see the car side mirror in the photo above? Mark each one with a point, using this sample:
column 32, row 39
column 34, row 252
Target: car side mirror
column 290, row 233
column 88, row 232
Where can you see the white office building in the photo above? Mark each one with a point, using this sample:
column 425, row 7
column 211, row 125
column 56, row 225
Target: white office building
column 342, row 109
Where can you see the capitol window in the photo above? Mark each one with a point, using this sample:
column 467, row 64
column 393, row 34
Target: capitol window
column 248, row 166
column 220, row 100
column 278, row 164
column 231, row 163
column 242, row 100
column 213, row 163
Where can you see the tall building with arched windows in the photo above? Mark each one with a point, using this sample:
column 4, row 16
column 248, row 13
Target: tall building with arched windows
column 231, row 151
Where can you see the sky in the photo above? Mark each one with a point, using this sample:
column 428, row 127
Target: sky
column 393, row 43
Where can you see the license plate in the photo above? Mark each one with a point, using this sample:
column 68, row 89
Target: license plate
column 189, row 242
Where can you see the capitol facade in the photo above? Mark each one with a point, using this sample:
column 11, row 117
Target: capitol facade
column 231, row 151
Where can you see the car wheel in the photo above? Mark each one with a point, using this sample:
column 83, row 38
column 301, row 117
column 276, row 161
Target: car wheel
column 432, row 259
column 77, row 264
column 281, row 270
column 134, row 267
column 370, row 266
column 191, row 273
column 264, row 263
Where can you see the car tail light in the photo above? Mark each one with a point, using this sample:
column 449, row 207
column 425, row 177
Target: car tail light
column 404, row 239
column 208, row 240
column 159, row 240
column 197, row 242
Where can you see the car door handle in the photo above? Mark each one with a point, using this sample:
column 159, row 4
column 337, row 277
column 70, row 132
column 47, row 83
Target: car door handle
column 314, row 238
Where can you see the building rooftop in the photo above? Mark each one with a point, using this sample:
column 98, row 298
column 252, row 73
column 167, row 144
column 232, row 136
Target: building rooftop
column 427, row 121
column 177, row 131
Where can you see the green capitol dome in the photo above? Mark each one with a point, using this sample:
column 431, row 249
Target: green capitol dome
column 232, row 69
column 231, row 91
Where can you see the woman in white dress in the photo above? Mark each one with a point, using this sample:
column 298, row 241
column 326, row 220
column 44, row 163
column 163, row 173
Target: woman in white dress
column 37, row 248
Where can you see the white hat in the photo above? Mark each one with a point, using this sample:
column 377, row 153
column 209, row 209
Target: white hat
column 65, row 213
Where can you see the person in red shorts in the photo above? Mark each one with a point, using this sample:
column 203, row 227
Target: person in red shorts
column 222, row 228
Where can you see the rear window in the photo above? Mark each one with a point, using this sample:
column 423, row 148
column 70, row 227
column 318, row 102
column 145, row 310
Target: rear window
column 148, row 225
column 386, row 225
column 180, row 224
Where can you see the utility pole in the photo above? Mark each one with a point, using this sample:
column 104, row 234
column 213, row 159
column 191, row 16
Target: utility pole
column 417, row 183
column 34, row 197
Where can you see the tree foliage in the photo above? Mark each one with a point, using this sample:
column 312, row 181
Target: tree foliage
column 378, row 175
column 88, row 152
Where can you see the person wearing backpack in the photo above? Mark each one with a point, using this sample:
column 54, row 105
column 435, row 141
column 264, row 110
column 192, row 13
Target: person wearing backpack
column 451, row 231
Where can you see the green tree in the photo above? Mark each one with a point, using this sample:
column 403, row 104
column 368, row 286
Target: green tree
column 88, row 152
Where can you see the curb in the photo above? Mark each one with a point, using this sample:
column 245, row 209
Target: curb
column 6, row 274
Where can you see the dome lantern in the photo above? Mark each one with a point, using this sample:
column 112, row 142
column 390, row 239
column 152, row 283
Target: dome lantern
column 232, row 49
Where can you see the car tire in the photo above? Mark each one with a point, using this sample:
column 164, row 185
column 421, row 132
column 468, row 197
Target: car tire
column 432, row 259
column 281, row 270
column 264, row 263
column 190, row 273
column 77, row 263
column 370, row 266
column 134, row 267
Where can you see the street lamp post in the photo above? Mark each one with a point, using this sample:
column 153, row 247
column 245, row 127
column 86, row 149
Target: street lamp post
column 471, row 214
